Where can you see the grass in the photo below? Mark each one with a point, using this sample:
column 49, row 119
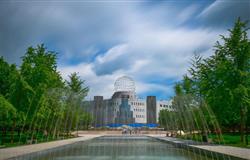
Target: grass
column 17, row 141
column 227, row 139
column 230, row 139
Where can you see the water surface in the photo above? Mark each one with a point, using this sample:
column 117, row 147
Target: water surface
column 119, row 148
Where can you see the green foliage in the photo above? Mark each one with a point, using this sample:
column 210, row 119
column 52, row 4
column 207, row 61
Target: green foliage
column 21, row 94
column 76, row 84
column 168, row 119
column 39, row 70
column 187, row 85
column 7, row 74
column 178, row 89
column 7, row 113
column 85, row 120
column 219, row 86
column 35, row 103
column 224, row 78
column 39, row 67
column 76, row 92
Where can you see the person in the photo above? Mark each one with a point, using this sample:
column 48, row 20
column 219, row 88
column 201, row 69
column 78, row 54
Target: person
column 123, row 131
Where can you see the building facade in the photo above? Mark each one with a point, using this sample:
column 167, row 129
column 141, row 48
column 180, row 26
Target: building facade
column 124, row 107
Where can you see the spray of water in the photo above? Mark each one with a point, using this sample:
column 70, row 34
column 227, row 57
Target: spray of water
column 191, row 121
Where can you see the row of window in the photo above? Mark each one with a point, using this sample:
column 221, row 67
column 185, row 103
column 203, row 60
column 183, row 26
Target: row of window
column 140, row 104
column 139, row 116
column 139, row 109
column 163, row 105
column 133, row 103
column 114, row 103
column 137, row 103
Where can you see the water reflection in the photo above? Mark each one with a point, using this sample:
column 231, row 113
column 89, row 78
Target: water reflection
column 119, row 148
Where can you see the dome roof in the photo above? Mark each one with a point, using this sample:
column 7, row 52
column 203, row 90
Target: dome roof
column 124, row 83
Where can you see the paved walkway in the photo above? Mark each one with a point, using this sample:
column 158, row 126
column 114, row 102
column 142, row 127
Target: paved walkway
column 7, row 153
column 228, row 150
column 233, row 152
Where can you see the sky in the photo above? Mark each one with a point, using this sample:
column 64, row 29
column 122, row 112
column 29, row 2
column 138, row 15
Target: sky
column 151, row 41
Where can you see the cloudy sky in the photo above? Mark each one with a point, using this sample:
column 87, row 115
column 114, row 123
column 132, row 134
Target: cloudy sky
column 150, row 41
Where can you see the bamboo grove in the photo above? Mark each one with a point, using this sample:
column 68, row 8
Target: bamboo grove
column 214, row 96
column 36, row 104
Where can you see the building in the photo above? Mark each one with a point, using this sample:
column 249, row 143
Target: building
column 125, row 108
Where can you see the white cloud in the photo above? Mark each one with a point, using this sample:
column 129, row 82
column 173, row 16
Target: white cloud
column 146, row 52
column 187, row 13
column 109, row 40
column 98, row 85
column 159, row 54
column 223, row 13
column 112, row 53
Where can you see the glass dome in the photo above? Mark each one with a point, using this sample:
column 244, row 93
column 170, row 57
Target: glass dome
column 124, row 83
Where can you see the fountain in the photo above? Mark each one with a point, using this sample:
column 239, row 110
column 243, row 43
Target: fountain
column 123, row 127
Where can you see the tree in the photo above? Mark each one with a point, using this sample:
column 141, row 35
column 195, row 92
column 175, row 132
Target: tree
column 187, row 85
column 75, row 84
column 34, row 99
column 76, row 92
column 178, row 89
column 21, row 96
column 237, row 48
column 167, row 119
column 229, row 70
column 7, row 74
column 39, row 67
column 222, row 80
column 7, row 116
column 39, row 70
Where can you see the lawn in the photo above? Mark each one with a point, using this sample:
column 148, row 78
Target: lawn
column 227, row 139
column 25, row 139
column 230, row 139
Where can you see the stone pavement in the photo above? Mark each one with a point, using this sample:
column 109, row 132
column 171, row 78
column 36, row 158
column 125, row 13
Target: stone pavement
column 225, row 151
column 243, row 153
column 12, row 152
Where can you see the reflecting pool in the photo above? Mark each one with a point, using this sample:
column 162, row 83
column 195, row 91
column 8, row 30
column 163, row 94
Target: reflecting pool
column 118, row 148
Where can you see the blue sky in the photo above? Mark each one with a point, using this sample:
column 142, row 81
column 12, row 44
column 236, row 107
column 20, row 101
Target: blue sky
column 150, row 41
